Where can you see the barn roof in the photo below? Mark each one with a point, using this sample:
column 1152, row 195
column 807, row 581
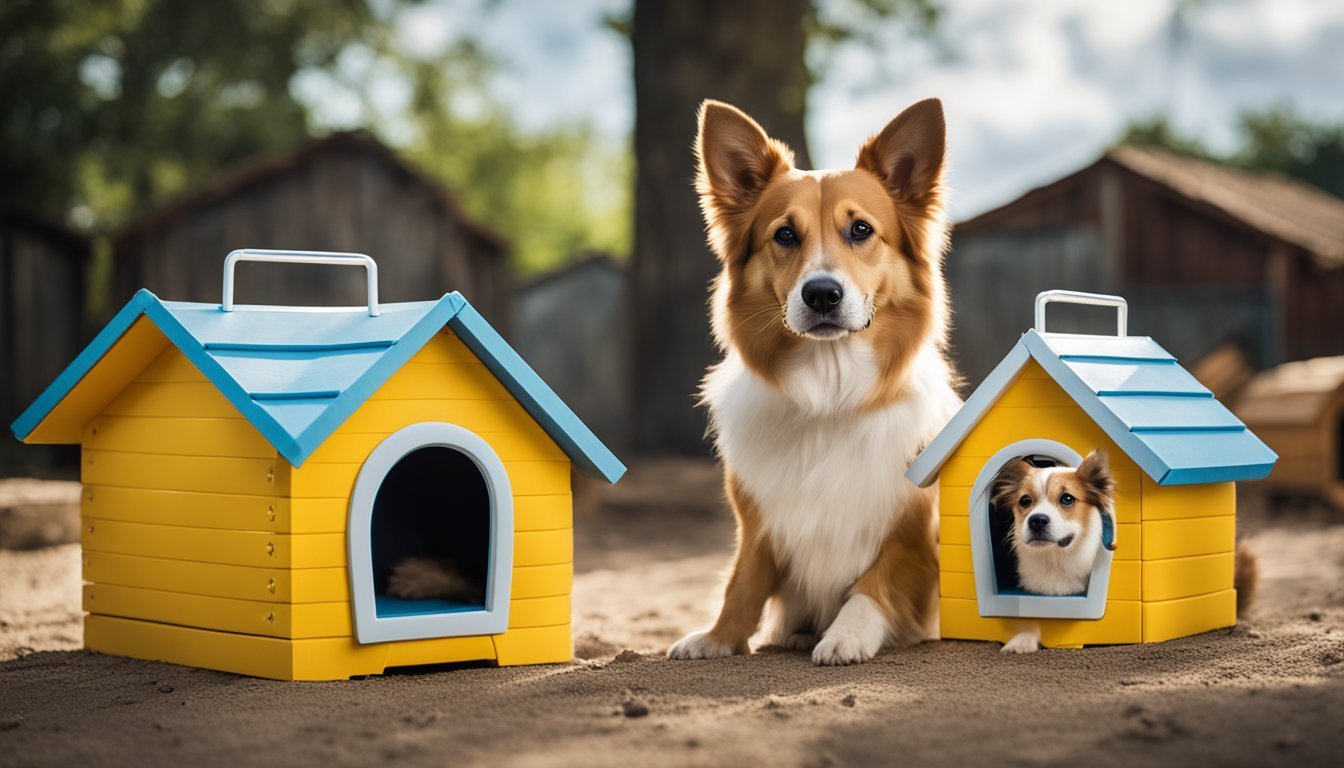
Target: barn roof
column 298, row 373
column 1293, row 394
column 1277, row 206
column 257, row 170
column 1154, row 410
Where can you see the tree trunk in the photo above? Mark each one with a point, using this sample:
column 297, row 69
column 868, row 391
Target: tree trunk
column 749, row 53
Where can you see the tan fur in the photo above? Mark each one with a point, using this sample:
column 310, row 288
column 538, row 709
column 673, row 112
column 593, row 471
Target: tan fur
column 903, row 581
column 1245, row 577
column 419, row 578
column 754, row 577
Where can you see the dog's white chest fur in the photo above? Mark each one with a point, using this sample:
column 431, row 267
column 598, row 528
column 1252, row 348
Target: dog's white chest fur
column 829, row 479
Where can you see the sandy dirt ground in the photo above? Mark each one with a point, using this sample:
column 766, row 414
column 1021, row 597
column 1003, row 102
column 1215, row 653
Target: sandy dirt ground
column 650, row 557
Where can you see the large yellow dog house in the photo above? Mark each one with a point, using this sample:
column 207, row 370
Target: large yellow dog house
column 251, row 474
column 1175, row 452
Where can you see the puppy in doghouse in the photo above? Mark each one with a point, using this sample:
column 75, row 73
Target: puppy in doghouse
column 1062, row 517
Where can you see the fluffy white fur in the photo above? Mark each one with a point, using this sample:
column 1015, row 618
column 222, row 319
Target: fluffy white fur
column 826, row 476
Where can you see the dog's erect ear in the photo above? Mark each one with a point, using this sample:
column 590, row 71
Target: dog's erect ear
column 1095, row 475
column 736, row 160
column 907, row 156
column 1008, row 480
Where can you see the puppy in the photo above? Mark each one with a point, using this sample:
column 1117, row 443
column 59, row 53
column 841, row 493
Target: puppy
column 1062, row 517
column 831, row 313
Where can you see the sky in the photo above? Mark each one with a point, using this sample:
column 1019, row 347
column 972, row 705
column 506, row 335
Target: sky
column 1033, row 89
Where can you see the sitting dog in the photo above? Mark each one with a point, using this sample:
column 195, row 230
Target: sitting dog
column 830, row 308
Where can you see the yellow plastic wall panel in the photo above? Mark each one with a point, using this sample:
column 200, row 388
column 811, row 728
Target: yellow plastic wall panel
column 185, row 508
column 314, row 659
column 1125, row 582
column 537, row 645
column 446, row 347
column 1001, row 426
column 1122, row 623
column 224, row 651
column 954, row 500
column 1034, row 393
column 1033, row 370
column 430, row 381
column 235, row 438
column 275, row 585
column 1176, row 502
column 543, row 513
column 539, row 611
column 199, row 399
column 354, row 447
column 171, row 367
column 542, row 580
column 1169, row 619
column 248, row 617
column 1164, row 539
column 961, row 471
column 1128, row 541
column 527, row 478
column 956, row 558
column 141, row 343
column 209, row 545
column 955, row 530
column 253, row 477
column 1187, row 576
column 479, row 416
column 543, row 547
column 956, row 584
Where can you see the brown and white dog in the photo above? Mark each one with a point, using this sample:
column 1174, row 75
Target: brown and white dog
column 831, row 311
column 1059, row 515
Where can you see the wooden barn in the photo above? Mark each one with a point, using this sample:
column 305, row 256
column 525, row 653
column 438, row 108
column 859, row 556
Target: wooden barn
column 1206, row 254
column 571, row 326
column 345, row 192
column 1298, row 408
column 42, row 298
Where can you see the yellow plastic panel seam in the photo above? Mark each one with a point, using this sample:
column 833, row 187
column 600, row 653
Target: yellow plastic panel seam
column 1187, row 576
column 1188, row 501
column 1163, row 539
column 1169, row 619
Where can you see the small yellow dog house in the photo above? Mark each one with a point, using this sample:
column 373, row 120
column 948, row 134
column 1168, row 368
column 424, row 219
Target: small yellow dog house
column 251, row 475
column 1175, row 453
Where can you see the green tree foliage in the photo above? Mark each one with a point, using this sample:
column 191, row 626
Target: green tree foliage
column 108, row 106
column 1277, row 139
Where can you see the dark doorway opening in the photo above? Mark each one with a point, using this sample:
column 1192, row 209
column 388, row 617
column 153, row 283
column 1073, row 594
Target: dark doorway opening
column 430, row 535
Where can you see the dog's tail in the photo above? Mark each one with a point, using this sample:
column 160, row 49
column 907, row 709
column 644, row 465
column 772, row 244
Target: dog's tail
column 1245, row 576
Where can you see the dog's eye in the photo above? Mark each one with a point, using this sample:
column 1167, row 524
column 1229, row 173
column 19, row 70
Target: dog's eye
column 1067, row 500
column 860, row 230
column 786, row 236
column 1024, row 502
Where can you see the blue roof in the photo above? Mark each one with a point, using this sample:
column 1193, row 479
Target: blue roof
column 298, row 373
column 1154, row 410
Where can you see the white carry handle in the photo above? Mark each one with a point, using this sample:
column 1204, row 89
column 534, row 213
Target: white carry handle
column 301, row 257
column 1078, row 297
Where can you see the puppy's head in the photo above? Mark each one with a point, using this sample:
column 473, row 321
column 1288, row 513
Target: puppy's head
column 824, row 256
column 1057, row 508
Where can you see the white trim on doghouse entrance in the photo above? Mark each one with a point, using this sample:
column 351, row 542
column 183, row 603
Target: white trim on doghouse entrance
column 493, row 618
column 1091, row 605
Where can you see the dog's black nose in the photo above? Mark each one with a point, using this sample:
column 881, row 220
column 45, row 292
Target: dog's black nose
column 822, row 293
column 1038, row 521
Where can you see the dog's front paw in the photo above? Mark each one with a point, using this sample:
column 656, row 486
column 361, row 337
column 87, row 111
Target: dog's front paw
column 839, row 650
column 700, row 645
column 1023, row 642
